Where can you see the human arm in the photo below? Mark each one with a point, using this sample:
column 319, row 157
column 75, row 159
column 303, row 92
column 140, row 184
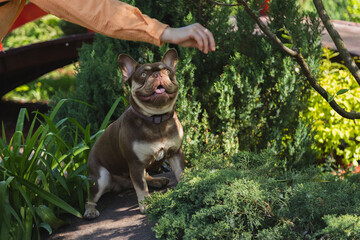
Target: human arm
column 120, row 20
column 109, row 17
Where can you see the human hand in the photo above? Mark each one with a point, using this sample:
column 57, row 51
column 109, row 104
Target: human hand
column 194, row 35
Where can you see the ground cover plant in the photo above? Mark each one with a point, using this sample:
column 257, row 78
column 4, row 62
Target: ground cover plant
column 251, row 196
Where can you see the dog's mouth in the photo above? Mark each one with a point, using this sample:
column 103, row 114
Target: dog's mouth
column 157, row 94
column 159, row 90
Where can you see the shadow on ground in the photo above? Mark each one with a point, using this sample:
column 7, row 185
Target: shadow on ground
column 119, row 218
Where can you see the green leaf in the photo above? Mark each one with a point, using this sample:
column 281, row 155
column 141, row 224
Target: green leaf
column 48, row 217
column 286, row 36
column 29, row 134
column 334, row 55
column 61, row 102
column 4, row 199
column 46, row 226
column 48, row 196
column 18, row 129
column 61, row 180
column 342, row 91
column 57, row 107
column 126, row 102
column 87, row 134
column 29, row 217
column 43, row 179
column 110, row 113
column 77, row 124
column 330, row 98
column 3, row 131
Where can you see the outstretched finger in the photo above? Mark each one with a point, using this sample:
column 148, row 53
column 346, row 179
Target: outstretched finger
column 210, row 39
column 196, row 35
column 207, row 37
column 204, row 39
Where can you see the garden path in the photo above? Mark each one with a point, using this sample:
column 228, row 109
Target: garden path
column 349, row 32
column 119, row 218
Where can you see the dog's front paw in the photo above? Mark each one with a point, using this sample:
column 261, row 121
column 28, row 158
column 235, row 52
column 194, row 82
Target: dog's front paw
column 90, row 211
column 142, row 208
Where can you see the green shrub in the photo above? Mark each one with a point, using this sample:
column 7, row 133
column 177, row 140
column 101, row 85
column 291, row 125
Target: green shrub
column 43, row 29
column 337, row 9
column 44, row 88
column 211, row 204
column 342, row 227
column 335, row 137
column 247, row 97
column 353, row 11
column 249, row 196
column 310, row 201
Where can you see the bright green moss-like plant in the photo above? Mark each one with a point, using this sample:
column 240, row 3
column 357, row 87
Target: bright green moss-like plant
column 336, row 137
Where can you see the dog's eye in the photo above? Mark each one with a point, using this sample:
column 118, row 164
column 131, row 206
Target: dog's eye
column 143, row 75
column 168, row 72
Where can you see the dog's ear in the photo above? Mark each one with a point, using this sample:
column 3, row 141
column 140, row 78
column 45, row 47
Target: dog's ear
column 170, row 58
column 127, row 66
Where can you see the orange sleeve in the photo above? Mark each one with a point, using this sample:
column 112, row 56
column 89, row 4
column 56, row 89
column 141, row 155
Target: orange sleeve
column 109, row 17
column 9, row 11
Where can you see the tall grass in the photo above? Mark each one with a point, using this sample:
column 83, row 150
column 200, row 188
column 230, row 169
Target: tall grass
column 43, row 174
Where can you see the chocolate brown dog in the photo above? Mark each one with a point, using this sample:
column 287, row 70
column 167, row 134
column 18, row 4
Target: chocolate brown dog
column 147, row 132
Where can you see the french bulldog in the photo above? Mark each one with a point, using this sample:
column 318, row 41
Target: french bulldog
column 147, row 133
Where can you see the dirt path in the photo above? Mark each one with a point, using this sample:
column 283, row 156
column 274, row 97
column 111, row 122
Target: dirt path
column 120, row 218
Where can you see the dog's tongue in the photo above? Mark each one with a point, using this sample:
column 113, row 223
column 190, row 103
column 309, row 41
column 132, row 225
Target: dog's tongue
column 160, row 90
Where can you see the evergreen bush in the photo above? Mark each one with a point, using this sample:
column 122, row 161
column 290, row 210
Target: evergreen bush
column 247, row 97
column 250, row 196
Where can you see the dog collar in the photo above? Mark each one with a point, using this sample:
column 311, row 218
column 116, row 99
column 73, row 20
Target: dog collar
column 155, row 118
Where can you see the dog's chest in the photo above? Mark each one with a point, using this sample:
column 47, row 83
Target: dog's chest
column 148, row 152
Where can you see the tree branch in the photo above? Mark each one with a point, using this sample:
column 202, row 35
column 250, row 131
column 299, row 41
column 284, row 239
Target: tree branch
column 224, row 4
column 339, row 43
column 301, row 61
column 267, row 31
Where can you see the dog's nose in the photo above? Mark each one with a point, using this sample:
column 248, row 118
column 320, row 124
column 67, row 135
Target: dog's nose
column 157, row 75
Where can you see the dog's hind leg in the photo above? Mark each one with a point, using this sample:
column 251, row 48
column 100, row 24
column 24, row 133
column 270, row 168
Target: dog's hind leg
column 177, row 164
column 120, row 183
column 100, row 186
column 157, row 182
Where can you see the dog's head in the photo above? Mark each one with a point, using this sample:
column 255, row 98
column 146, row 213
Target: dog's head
column 154, row 88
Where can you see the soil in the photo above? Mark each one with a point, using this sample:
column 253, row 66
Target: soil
column 120, row 218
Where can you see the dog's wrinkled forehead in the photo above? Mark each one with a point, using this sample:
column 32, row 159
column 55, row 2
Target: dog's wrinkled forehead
column 151, row 67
